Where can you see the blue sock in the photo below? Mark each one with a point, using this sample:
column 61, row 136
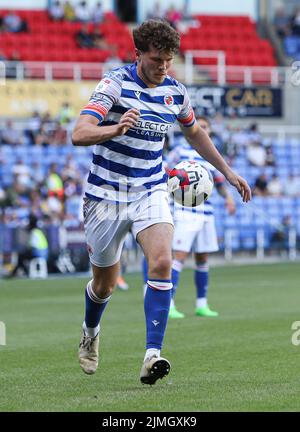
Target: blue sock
column 145, row 270
column 156, row 306
column 94, row 307
column 201, row 280
column 176, row 269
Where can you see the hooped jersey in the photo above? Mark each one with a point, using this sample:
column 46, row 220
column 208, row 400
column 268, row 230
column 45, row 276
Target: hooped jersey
column 129, row 166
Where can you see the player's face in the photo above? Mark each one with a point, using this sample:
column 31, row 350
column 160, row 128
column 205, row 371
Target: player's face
column 153, row 66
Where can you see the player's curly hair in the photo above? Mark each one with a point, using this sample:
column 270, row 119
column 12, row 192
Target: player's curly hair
column 156, row 34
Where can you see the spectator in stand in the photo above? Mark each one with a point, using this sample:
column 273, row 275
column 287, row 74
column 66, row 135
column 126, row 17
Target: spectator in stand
column 34, row 124
column 54, row 182
column 56, row 11
column 173, row 16
column 43, row 137
column 11, row 136
column 83, row 37
column 256, row 154
column 274, row 187
column 253, row 134
column 295, row 22
column 280, row 235
column 98, row 39
column 270, row 158
column 66, row 113
column 281, row 22
column 70, row 170
column 59, row 136
column 13, row 23
column 291, row 44
column 97, row 13
column 261, row 186
column 1, row 24
column 69, row 12
column 82, row 12
column 157, row 12
column 37, row 174
column 292, row 186
column 22, row 173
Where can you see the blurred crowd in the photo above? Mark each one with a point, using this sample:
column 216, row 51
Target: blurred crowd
column 40, row 129
column 81, row 12
column 50, row 182
column 49, row 188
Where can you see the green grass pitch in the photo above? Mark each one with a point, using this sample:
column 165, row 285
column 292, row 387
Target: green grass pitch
column 243, row 360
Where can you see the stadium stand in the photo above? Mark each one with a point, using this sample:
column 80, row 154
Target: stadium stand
column 235, row 35
column 48, row 37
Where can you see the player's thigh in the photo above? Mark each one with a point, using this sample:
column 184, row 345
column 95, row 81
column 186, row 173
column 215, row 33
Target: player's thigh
column 153, row 225
column 105, row 231
column 156, row 241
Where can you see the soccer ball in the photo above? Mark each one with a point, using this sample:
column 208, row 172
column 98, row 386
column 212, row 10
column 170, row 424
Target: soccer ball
column 190, row 183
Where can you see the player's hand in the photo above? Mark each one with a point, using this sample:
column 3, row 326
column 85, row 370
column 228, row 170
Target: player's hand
column 127, row 120
column 241, row 185
column 230, row 205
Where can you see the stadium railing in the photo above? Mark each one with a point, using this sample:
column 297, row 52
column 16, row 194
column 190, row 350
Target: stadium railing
column 189, row 73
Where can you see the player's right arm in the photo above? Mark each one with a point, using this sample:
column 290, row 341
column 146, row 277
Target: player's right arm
column 87, row 132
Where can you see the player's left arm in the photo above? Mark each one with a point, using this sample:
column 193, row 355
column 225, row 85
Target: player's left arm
column 201, row 142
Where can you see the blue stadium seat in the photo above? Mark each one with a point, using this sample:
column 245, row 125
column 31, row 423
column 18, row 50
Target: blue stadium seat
column 248, row 237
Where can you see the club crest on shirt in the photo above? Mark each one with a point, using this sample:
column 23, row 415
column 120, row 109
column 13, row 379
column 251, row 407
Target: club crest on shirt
column 138, row 94
column 169, row 100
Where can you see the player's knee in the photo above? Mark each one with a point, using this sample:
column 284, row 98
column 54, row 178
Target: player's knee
column 160, row 266
column 103, row 289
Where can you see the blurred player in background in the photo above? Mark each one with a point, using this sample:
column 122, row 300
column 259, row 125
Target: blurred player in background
column 195, row 229
column 135, row 106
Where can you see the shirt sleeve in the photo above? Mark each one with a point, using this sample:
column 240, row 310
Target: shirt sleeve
column 106, row 94
column 186, row 117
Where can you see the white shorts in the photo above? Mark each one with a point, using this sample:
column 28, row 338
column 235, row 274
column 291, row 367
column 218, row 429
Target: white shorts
column 199, row 237
column 107, row 224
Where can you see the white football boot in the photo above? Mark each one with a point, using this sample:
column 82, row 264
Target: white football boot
column 153, row 368
column 88, row 353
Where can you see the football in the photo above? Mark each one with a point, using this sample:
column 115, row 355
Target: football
column 190, row 183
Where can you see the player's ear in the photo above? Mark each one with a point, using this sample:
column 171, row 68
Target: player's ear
column 138, row 54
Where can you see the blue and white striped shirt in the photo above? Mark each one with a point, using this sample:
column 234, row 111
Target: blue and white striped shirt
column 130, row 166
